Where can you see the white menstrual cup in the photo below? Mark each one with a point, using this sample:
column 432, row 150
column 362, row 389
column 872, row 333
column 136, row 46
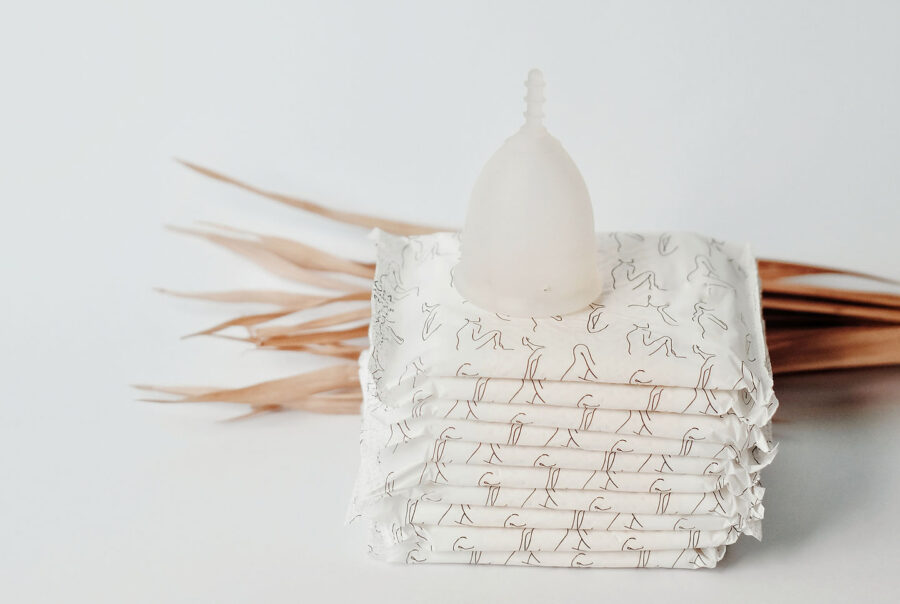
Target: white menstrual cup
column 528, row 248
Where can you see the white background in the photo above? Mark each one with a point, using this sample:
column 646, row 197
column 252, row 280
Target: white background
column 776, row 123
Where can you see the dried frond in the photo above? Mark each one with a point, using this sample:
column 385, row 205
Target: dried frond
column 809, row 328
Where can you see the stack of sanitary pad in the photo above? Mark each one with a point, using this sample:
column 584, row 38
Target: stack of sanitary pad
column 629, row 434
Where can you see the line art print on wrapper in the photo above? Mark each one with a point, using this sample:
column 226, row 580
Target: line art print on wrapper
column 650, row 412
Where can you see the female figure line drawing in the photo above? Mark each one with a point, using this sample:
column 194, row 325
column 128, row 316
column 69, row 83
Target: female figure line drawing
column 664, row 245
column 595, row 323
column 428, row 326
column 703, row 269
column 472, row 331
column 648, row 341
column 703, row 315
column 617, row 237
column 583, row 363
column 625, row 272
column 659, row 308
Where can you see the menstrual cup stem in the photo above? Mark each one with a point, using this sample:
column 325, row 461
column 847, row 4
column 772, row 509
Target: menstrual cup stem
column 534, row 99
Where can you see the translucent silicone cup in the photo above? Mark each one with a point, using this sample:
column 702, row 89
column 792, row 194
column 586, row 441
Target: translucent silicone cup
column 528, row 247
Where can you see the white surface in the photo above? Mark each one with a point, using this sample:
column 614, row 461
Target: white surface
column 773, row 122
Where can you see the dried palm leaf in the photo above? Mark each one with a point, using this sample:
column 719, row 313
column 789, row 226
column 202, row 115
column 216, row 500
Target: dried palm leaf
column 809, row 328
column 329, row 321
column 272, row 262
column 245, row 321
column 303, row 255
column 363, row 220
column 259, row 296
column 788, row 288
column 340, row 350
column 775, row 270
column 316, row 337
column 793, row 350
column 872, row 313
column 294, row 390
